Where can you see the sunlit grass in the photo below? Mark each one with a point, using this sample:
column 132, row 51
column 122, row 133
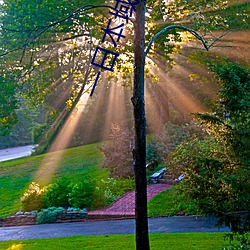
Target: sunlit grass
column 16, row 175
column 169, row 203
column 173, row 241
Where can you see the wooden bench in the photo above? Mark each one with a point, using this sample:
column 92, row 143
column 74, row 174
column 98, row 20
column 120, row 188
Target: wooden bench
column 155, row 177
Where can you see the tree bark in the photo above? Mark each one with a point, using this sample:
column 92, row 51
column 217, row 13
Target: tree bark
column 139, row 151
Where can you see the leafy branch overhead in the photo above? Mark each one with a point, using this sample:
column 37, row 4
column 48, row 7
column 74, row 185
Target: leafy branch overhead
column 44, row 31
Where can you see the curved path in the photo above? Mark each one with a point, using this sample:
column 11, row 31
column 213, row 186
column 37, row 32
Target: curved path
column 156, row 225
column 17, row 152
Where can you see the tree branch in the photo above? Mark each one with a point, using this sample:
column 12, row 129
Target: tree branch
column 166, row 29
column 218, row 38
column 76, row 12
column 44, row 28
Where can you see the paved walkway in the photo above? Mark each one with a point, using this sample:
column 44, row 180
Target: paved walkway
column 17, row 152
column 156, row 225
column 125, row 206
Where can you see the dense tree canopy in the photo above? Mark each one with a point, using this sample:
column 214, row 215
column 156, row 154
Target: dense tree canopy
column 50, row 44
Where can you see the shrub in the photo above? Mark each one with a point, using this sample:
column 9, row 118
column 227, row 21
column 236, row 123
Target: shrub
column 38, row 131
column 33, row 197
column 152, row 155
column 103, row 194
column 57, row 193
column 216, row 168
column 73, row 209
column 123, row 185
column 48, row 215
column 243, row 242
column 109, row 189
column 81, row 194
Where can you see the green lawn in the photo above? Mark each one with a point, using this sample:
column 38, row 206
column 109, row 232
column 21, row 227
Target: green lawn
column 16, row 175
column 169, row 202
column 172, row 241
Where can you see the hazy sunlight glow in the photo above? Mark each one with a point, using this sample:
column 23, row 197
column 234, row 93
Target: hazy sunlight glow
column 52, row 159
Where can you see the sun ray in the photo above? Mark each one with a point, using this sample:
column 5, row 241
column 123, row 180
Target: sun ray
column 50, row 163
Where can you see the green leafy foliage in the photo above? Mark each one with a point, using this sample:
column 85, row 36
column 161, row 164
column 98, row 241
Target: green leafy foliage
column 22, row 132
column 8, row 105
column 81, row 194
column 216, row 168
column 165, row 142
column 49, row 46
column 205, row 175
column 242, row 241
column 89, row 193
column 57, row 193
column 48, row 27
column 108, row 190
column 232, row 119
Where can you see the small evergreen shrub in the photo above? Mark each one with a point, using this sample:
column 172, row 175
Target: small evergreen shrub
column 33, row 198
column 152, row 157
column 76, row 210
column 48, row 215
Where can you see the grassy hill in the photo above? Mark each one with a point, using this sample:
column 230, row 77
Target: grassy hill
column 16, row 175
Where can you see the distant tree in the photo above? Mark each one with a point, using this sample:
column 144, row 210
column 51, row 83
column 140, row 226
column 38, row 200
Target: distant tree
column 166, row 141
column 8, row 105
column 118, row 155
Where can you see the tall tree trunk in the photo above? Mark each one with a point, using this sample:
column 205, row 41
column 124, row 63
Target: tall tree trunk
column 139, row 152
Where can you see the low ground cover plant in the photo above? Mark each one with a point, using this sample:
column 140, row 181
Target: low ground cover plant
column 48, row 215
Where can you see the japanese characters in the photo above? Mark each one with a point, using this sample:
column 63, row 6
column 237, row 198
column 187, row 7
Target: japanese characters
column 123, row 10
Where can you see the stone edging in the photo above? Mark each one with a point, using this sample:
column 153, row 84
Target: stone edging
column 30, row 219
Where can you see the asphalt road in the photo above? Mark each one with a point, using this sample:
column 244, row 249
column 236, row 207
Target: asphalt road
column 156, row 225
column 14, row 153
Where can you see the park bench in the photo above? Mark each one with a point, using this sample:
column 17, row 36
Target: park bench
column 182, row 176
column 155, row 177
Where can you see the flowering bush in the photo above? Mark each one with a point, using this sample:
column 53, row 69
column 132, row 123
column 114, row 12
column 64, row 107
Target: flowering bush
column 33, row 197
